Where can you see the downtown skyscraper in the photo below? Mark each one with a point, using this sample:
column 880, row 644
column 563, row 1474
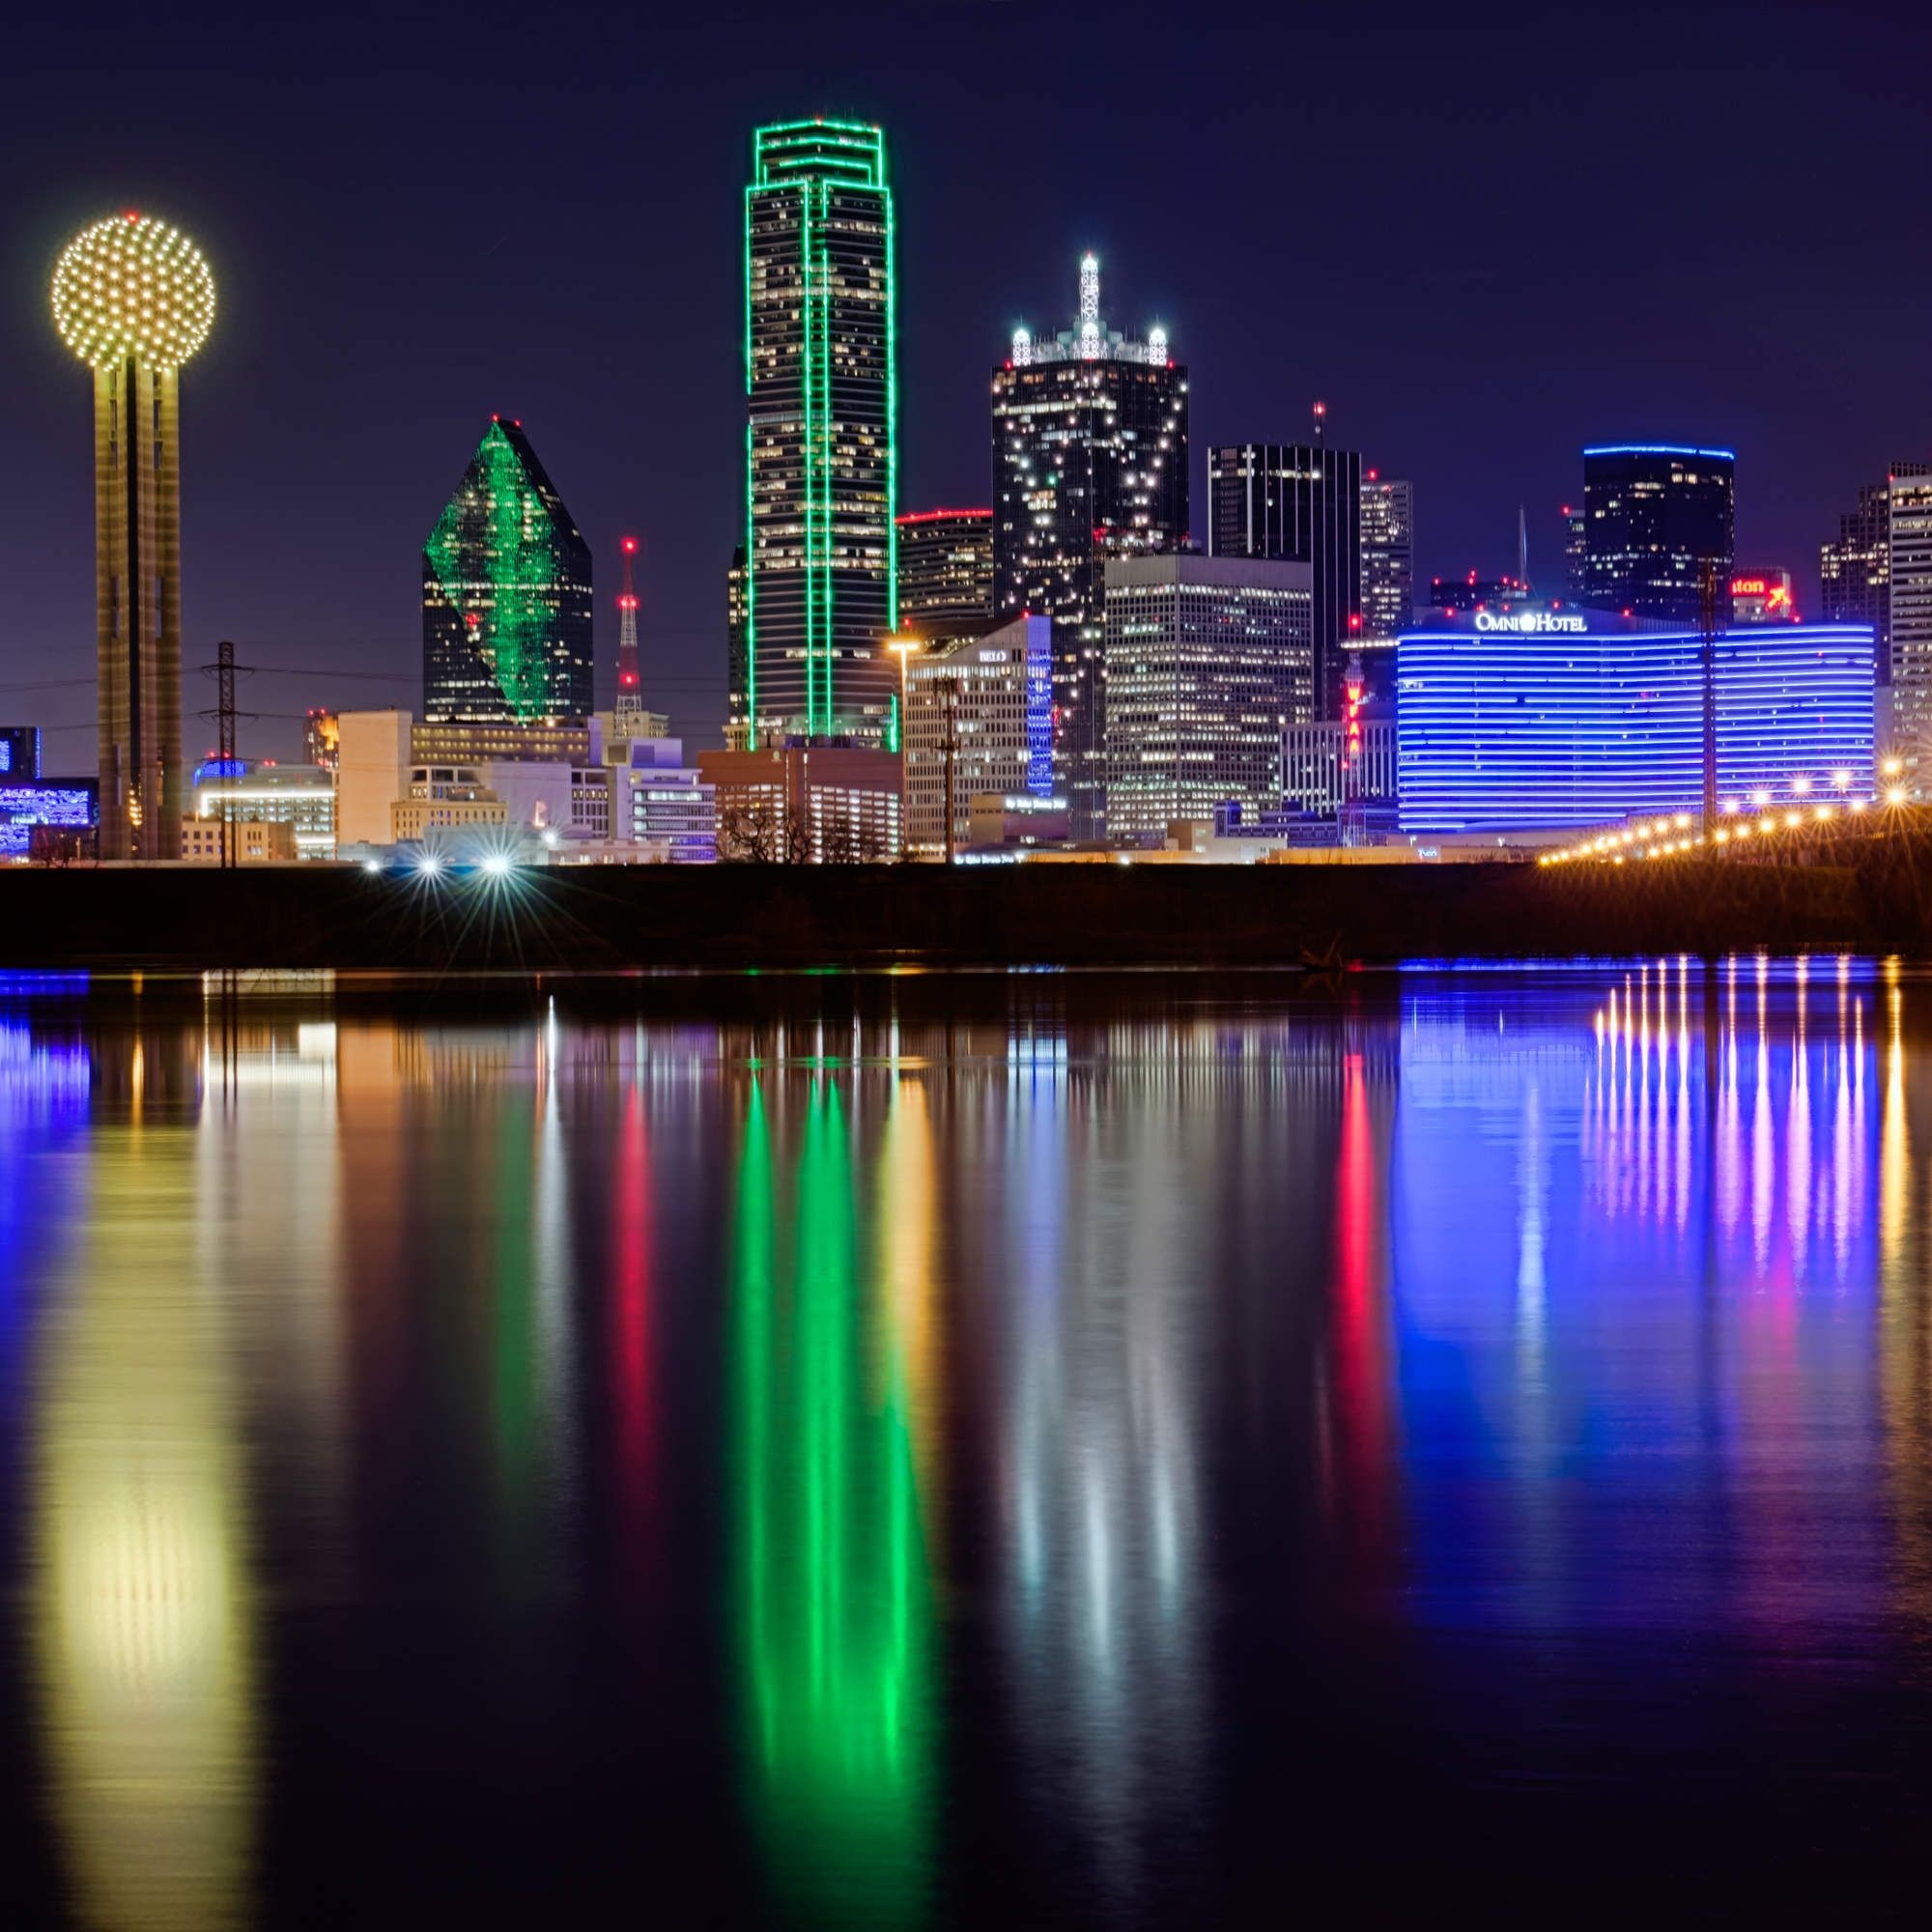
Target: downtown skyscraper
column 945, row 572
column 1908, row 728
column 1388, row 556
column 506, row 595
column 134, row 298
column 821, row 466
column 1090, row 462
column 1655, row 516
column 1297, row 502
column 1855, row 586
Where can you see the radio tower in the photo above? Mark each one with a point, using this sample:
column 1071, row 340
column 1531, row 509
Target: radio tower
column 630, row 698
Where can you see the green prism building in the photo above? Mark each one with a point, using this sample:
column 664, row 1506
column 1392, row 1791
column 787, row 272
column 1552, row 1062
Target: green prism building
column 821, row 466
column 507, row 596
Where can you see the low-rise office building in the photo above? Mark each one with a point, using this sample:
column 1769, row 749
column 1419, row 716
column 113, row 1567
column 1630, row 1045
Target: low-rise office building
column 674, row 812
column 252, row 841
column 804, row 805
column 978, row 719
column 443, row 800
column 1016, row 822
column 249, row 790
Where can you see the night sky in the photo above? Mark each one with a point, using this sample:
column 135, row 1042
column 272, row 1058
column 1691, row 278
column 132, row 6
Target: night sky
column 1484, row 240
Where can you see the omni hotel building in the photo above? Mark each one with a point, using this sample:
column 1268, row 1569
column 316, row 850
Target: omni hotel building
column 1526, row 719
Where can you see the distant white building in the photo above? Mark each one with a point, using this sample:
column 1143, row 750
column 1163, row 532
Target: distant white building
column 665, row 805
column 251, row 791
column 442, row 801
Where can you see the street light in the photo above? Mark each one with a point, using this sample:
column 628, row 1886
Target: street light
column 904, row 647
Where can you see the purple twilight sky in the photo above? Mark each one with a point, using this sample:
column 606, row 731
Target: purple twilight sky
column 1485, row 238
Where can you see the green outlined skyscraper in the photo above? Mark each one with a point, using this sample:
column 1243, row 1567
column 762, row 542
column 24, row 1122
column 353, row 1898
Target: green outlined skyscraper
column 506, row 595
column 821, row 466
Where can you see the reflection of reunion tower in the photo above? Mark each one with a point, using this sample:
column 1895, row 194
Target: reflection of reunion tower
column 630, row 699
column 133, row 299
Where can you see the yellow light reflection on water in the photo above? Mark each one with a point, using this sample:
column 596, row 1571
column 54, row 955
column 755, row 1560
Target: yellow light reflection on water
column 143, row 1617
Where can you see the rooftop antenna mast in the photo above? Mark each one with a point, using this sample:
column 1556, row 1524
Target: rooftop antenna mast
column 1090, row 307
column 1521, row 549
column 630, row 696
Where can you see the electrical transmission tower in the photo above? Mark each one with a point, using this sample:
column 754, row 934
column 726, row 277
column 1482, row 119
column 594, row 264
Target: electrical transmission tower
column 224, row 671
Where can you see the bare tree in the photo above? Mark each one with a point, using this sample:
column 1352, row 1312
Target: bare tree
column 797, row 842
column 839, row 847
column 749, row 834
column 54, row 846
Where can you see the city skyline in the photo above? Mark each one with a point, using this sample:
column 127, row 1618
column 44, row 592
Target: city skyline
column 1480, row 410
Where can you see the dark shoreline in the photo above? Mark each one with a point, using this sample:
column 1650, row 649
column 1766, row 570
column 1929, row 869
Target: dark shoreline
column 614, row 919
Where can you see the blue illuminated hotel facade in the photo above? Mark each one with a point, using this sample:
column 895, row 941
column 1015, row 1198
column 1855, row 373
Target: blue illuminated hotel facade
column 1526, row 720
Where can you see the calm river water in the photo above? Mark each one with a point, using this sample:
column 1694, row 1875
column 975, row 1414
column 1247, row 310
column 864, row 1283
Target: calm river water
column 946, row 1450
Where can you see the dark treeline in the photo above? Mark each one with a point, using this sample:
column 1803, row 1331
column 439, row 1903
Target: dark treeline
column 606, row 919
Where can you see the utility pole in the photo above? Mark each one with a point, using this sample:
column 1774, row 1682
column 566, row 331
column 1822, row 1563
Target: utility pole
column 1707, row 600
column 951, row 757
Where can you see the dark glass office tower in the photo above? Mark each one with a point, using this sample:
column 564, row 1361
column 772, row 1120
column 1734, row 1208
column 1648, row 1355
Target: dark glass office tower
column 1855, row 570
column 1575, row 553
column 1388, row 556
column 821, row 468
column 1300, row 503
column 507, row 596
column 1654, row 515
column 945, row 572
column 1089, row 462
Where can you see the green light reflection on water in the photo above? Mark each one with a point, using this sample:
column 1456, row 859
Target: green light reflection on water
column 832, row 1592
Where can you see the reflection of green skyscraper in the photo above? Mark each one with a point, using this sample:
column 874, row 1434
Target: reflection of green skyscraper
column 831, row 1586
column 820, row 462
column 506, row 595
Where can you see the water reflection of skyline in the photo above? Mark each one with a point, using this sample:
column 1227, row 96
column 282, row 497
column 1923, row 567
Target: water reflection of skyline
column 1046, row 1340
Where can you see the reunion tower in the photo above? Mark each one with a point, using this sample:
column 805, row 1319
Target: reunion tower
column 133, row 299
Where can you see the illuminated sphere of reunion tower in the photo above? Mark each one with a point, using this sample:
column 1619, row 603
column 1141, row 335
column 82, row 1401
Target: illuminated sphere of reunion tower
column 134, row 298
